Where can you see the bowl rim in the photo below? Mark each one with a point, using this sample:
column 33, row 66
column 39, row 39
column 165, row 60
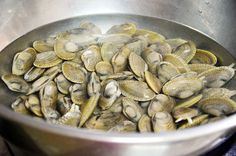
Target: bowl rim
column 137, row 138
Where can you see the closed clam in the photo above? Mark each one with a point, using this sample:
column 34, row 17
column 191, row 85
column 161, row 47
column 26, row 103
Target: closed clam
column 199, row 68
column 185, row 113
column 103, row 69
column 62, row 84
column 218, row 106
column 91, row 57
column 120, row 60
column 190, row 74
column 183, row 88
column 19, row 105
column 152, row 36
column 74, row 72
column 177, row 61
column 126, row 28
column 94, row 85
column 131, row 109
column 110, row 93
column 33, row 74
column 218, row 92
column 124, row 126
column 23, row 61
column 137, row 65
column 204, row 57
column 189, row 102
column 144, row 124
column 16, row 83
column 124, row 75
column 33, row 104
column 137, row 44
column 153, row 82
column 131, row 89
column 166, row 71
column 219, row 76
column 162, row 122
column 43, row 45
column 162, row 48
column 71, row 118
column 78, row 93
column 108, row 50
column 186, row 51
column 46, row 59
column 161, row 103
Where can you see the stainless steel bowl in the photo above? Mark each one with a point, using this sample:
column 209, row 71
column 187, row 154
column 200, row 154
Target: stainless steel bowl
column 38, row 137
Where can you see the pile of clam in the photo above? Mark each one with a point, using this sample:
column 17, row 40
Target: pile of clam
column 126, row 80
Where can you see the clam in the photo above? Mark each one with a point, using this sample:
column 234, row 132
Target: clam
column 144, row 124
column 177, row 61
column 46, row 59
column 124, row 75
column 153, row 82
column 48, row 98
column 77, row 59
column 199, row 68
column 131, row 109
column 162, row 122
column 103, row 69
column 91, row 27
column 104, row 121
column 78, row 93
column 184, row 113
column 33, row 104
column 109, row 95
column 218, row 106
column 117, row 107
column 74, row 72
column 19, row 105
column 42, row 46
column 152, row 58
column 137, row 65
column 161, row 103
column 195, row 121
column 189, row 74
column 53, row 71
column 63, row 104
column 189, row 102
column 124, row 126
column 131, row 89
column 71, row 118
column 94, row 85
column 175, row 42
column 218, row 92
column 126, row 28
column 186, row 51
column 15, row 83
column 23, row 61
column 62, row 84
column 183, row 88
column 117, row 39
column 166, row 71
column 152, row 37
column 137, row 44
column 91, row 57
column 217, row 77
column 162, row 48
column 120, row 60
column 204, row 57
column 33, row 74
column 88, row 108
column 108, row 50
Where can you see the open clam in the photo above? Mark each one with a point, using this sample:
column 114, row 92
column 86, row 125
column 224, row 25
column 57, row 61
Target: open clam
column 204, row 57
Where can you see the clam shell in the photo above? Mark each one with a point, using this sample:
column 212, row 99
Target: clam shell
column 104, row 69
column 15, row 83
column 63, row 104
column 137, row 44
column 94, row 85
column 218, row 92
column 63, row 84
column 184, row 113
column 120, row 60
column 199, row 68
column 183, row 88
column 46, row 59
column 189, row 102
column 175, row 42
column 117, row 39
column 19, row 105
column 125, row 126
column 23, row 61
column 78, row 93
column 153, row 82
column 91, row 27
column 137, row 65
column 195, row 121
column 162, row 48
column 33, row 74
column 177, row 61
column 33, row 104
column 144, row 124
column 74, row 72
column 126, row 28
column 152, row 37
column 108, row 50
column 204, row 57
column 131, row 89
column 42, row 46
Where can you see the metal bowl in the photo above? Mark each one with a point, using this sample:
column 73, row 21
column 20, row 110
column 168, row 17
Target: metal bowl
column 40, row 138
